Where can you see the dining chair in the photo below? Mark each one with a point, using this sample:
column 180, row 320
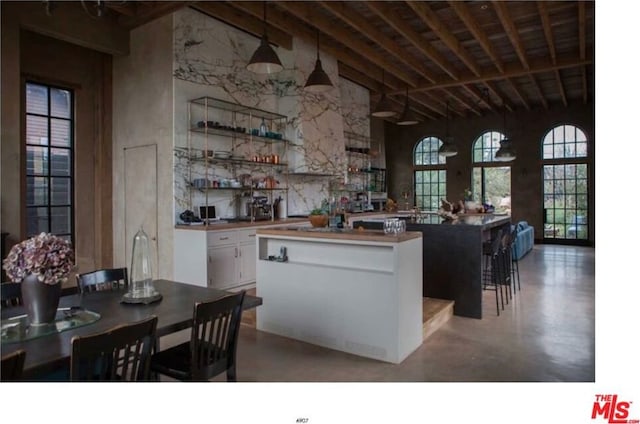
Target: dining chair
column 104, row 279
column 213, row 344
column 122, row 353
column 12, row 366
column 11, row 294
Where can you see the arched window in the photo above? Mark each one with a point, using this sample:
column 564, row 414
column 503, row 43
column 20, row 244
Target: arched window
column 565, row 183
column 430, row 175
column 491, row 180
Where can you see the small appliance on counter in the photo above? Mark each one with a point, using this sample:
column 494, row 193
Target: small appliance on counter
column 258, row 209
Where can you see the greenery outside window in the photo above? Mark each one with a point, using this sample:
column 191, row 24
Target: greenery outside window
column 490, row 180
column 430, row 175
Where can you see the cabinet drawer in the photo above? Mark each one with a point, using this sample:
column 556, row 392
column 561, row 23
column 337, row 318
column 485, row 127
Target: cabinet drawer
column 247, row 236
column 221, row 238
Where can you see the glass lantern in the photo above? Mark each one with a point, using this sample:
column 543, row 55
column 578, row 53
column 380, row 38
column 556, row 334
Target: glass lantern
column 141, row 289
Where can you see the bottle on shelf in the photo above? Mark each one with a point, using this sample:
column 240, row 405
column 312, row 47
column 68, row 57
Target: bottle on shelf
column 263, row 129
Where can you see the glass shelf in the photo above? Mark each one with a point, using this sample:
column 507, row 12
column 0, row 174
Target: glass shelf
column 17, row 329
column 239, row 188
column 243, row 162
column 234, row 107
column 231, row 133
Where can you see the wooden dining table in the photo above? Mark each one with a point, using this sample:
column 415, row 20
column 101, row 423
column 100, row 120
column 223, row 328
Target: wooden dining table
column 50, row 353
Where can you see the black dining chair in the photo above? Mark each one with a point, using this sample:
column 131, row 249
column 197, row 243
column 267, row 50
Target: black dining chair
column 11, row 294
column 122, row 353
column 12, row 366
column 114, row 279
column 213, row 344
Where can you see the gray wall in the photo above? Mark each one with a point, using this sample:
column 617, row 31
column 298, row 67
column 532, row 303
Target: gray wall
column 525, row 128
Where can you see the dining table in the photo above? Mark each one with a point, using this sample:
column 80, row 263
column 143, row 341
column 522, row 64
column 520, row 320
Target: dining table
column 51, row 353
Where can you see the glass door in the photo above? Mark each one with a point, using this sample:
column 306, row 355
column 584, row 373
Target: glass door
column 565, row 193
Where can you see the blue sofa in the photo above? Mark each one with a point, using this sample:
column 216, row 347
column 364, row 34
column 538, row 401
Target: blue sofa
column 524, row 239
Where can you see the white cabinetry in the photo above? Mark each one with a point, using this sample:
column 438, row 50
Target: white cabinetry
column 222, row 259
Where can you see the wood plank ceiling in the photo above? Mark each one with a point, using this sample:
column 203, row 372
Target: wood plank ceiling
column 479, row 56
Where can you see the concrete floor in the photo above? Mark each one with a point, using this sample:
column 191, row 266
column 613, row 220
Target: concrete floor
column 546, row 333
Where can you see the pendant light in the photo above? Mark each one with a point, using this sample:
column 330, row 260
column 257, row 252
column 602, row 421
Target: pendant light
column 505, row 153
column 408, row 117
column 383, row 108
column 264, row 59
column 318, row 80
column 448, row 148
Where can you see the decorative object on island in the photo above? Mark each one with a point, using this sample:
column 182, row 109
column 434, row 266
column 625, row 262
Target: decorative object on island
column 40, row 263
column 318, row 218
column 318, row 81
column 264, row 59
column 141, row 288
column 391, row 206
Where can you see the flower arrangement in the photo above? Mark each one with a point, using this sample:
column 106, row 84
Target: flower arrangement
column 49, row 257
column 467, row 194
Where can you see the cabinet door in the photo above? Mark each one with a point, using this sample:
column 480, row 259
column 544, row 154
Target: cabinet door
column 222, row 267
column 248, row 263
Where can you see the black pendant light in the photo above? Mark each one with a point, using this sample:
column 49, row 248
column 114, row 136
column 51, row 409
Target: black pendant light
column 318, row 80
column 264, row 59
column 383, row 108
column 505, row 153
column 407, row 117
column 448, row 147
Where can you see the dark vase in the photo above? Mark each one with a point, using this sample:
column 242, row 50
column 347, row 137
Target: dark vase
column 40, row 300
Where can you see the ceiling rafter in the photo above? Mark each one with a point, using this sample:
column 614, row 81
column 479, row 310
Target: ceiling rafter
column 546, row 26
column 518, row 93
column 493, row 89
column 464, row 102
column 477, row 95
column 429, row 17
column 253, row 24
column 391, row 17
column 502, row 11
column 512, row 70
column 147, row 12
column 582, row 46
column 465, row 16
column 563, row 94
column 536, row 86
column 304, row 11
column 371, row 32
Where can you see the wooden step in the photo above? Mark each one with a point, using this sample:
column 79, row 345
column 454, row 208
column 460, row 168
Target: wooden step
column 435, row 313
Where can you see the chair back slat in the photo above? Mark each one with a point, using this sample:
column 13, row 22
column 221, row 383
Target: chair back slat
column 11, row 294
column 214, row 335
column 114, row 279
column 13, row 365
column 122, row 353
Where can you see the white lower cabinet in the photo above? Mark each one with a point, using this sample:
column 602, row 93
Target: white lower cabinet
column 222, row 259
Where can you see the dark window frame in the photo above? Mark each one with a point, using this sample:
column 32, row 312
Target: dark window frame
column 49, row 147
column 439, row 168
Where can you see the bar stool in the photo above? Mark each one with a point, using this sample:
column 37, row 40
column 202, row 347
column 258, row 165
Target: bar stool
column 505, row 263
column 493, row 270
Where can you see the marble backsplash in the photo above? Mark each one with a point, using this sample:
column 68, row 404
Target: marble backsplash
column 209, row 60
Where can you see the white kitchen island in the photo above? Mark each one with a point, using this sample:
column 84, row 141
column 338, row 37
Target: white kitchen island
column 355, row 291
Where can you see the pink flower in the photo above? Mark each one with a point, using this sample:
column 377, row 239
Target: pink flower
column 49, row 257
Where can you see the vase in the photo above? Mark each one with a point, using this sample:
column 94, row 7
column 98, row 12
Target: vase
column 319, row 221
column 40, row 300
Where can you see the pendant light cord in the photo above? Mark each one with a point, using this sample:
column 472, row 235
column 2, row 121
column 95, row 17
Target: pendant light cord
column 317, row 44
column 447, row 123
column 264, row 17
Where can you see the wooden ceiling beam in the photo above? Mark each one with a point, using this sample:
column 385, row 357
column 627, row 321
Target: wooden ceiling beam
column 512, row 70
column 502, row 11
column 536, row 86
column 430, row 18
column 493, row 89
column 518, row 93
column 368, row 30
column 465, row 16
column 563, row 94
column 478, row 95
column 546, row 26
column 147, row 12
column 305, row 12
column 385, row 12
column 464, row 102
column 582, row 25
column 250, row 22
